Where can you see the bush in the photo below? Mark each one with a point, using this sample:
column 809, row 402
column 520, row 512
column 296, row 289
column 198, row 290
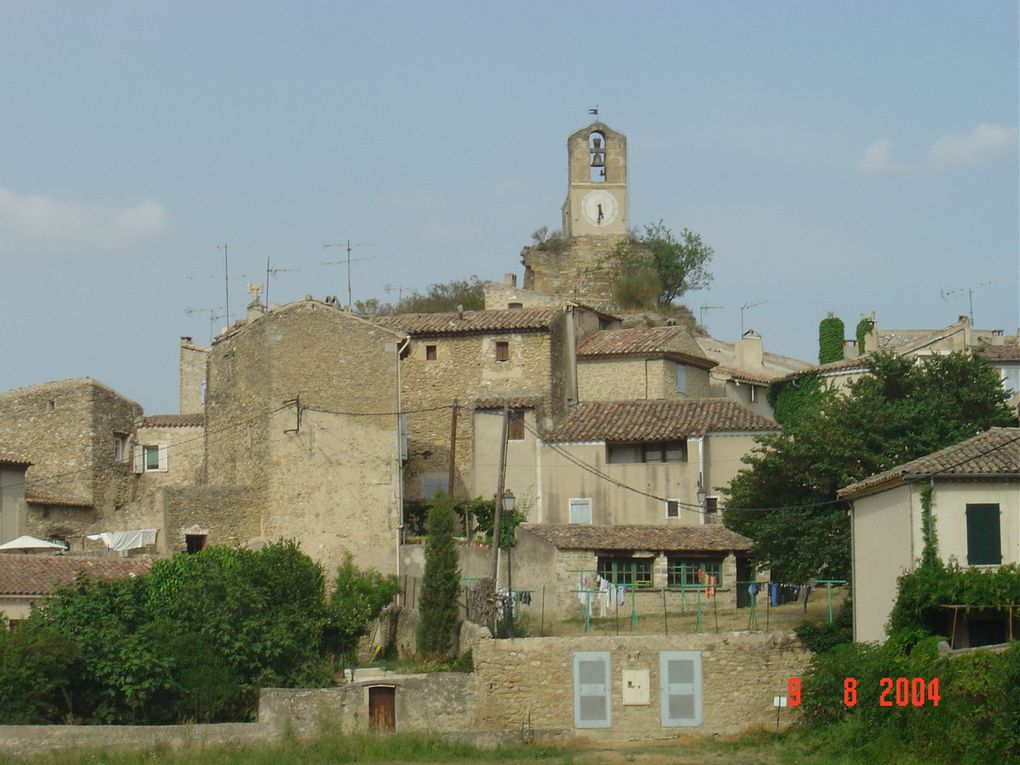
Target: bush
column 36, row 663
column 824, row 637
column 357, row 599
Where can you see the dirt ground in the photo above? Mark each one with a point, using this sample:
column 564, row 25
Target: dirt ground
column 770, row 619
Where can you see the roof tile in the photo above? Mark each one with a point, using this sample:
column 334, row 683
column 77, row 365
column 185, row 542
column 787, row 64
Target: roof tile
column 644, row 341
column 41, row 574
column 34, row 497
column 471, row 322
column 994, row 452
column 577, row 536
column 656, row 420
column 172, row 421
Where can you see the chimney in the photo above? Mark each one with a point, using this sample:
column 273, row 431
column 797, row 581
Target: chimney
column 510, row 280
column 748, row 350
column 850, row 349
column 460, row 311
column 998, row 337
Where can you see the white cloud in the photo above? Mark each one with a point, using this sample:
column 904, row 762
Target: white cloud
column 979, row 146
column 33, row 221
column 878, row 159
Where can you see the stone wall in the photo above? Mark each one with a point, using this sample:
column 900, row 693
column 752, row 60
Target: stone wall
column 323, row 470
column 522, row 680
column 465, row 369
column 574, row 268
column 193, row 360
column 627, row 378
column 185, row 457
column 67, row 429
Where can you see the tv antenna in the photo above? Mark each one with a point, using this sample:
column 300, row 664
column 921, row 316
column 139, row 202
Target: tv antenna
column 347, row 245
column 213, row 316
column 701, row 312
column 389, row 289
column 226, row 278
column 946, row 294
column 745, row 307
column 273, row 271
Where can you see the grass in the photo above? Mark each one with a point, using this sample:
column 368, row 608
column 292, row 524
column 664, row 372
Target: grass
column 837, row 745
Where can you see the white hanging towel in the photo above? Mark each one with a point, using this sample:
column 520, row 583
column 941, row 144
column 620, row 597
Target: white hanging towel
column 126, row 540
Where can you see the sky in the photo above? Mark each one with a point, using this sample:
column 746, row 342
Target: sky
column 839, row 156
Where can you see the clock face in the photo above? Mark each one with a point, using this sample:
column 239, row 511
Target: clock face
column 599, row 207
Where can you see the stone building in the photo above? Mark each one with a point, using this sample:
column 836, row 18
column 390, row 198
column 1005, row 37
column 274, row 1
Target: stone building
column 13, row 508
column 301, row 415
column 642, row 363
column 77, row 436
column 458, row 361
column 595, row 221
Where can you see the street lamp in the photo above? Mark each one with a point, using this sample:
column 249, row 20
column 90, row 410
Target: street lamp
column 702, row 494
column 508, row 501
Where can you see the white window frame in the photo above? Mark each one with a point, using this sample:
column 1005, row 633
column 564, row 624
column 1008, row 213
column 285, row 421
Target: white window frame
column 679, row 508
column 667, row 689
column 570, row 510
column 593, row 690
column 120, row 444
column 681, row 378
column 162, row 458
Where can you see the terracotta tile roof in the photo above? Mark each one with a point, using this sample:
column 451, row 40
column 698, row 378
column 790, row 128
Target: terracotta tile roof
column 645, row 341
column 172, row 421
column 470, row 322
column 510, row 400
column 41, row 574
column 656, row 420
column 1005, row 352
column 745, row 375
column 842, row 366
column 45, row 498
column 576, row 536
column 994, row 453
column 13, row 460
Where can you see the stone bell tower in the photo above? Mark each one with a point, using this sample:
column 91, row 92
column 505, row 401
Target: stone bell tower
column 596, row 203
column 595, row 220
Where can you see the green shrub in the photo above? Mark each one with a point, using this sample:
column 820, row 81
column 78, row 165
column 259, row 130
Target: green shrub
column 830, row 339
column 357, row 599
column 824, row 637
column 439, row 610
column 36, row 663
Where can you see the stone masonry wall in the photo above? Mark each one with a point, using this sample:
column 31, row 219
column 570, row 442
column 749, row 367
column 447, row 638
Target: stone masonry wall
column 185, row 457
column 193, row 360
column 465, row 369
column 577, row 271
column 622, row 378
column 532, row 679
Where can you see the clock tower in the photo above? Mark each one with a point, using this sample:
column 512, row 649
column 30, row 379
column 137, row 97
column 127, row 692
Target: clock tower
column 577, row 264
column 596, row 203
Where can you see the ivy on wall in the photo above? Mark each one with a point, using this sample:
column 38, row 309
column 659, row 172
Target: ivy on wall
column 792, row 400
column 830, row 339
column 864, row 327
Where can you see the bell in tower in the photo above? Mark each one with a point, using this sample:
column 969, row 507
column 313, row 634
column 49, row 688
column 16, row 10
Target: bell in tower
column 596, row 203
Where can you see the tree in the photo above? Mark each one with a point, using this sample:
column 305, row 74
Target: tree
column 830, row 339
column 36, row 665
column 446, row 296
column 658, row 268
column 438, row 609
column 902, row 410
column 357, row 599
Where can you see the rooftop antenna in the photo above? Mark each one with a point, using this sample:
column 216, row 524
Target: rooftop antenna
column 272, row 271
column 745, row 307
column 946, row 294
column 701, row 312
column 595, row 111
column 389, row 289
column 348, row 261
column 213, row 316
column 226, row 277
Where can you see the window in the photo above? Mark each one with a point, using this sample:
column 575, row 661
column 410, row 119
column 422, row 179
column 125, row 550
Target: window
column 515, row 306
column 984, row 542
column 711, row 505
column 580, row 510
column 195, row 542
column 433, row 484
column 620, row 570
column 668, row 451
column 681, row 378
column 592, row 701
column 430, row 353
column 515, row 425
column 672, row 508
column 119, row 447
column 502, row 350
column 1011, row 379
column 690, row 572
column 680, row 688
column 151, row 458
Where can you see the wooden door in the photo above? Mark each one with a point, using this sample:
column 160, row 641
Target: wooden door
column 382, row 708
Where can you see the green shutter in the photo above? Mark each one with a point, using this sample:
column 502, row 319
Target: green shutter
column 984, row 544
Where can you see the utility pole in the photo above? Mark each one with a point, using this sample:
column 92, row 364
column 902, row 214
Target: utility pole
column 348, row 261
column 496, row 519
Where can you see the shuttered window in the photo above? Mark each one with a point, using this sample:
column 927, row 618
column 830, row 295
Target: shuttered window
column 680, row 688
column 984, row 543
column 592, row 703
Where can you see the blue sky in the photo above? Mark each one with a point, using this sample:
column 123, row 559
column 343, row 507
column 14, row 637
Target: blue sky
column 846, row 157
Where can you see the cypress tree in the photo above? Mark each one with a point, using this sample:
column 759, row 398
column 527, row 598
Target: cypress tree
column 438, row 609
column 830, row 339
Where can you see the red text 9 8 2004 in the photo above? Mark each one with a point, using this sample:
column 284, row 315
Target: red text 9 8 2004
column 893, row 692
